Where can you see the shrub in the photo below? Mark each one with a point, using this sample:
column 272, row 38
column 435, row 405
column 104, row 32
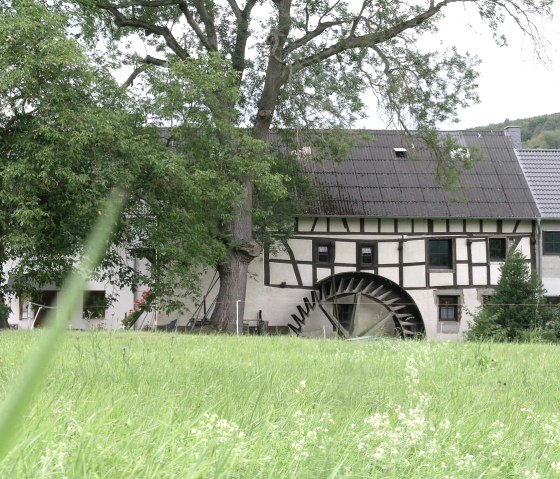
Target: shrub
column 518, row 311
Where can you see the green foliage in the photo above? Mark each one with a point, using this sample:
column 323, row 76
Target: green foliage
column 65, row 141
column 517, row 309
column 536, row 132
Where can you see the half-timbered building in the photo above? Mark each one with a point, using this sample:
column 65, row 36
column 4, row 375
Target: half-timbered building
column 385, row 250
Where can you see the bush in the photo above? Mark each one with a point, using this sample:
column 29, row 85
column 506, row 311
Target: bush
column 518, row 311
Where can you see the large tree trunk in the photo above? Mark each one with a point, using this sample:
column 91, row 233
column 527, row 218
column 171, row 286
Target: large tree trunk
column 230, row 302
column 243, row 249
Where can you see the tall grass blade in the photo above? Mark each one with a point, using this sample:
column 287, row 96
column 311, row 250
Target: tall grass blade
column 24, row 390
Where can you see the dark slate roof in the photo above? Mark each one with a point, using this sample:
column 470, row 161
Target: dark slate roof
column 542, row 170
column 373, row 182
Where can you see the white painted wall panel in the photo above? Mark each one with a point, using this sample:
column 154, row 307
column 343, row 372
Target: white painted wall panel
column 478, row 251
column 343, row 269
column 440, row 226
column 321, row 225
column 495, row 272
column 305, row 224
column 404, row 226
column 479, row 275
column 323, row 273
column 371, row 225
column 490, row 226
column 463, row 274
column 414, row 277
column 473, row 226
column 508, row 226
column 387, row 226
column 337, row 226
column 306, row 273
column 441, row 278
column 390, row 273
column 345, row 252
column 302, row 249
column 525, row 226
column 414, row 251
column 420, row 226
column 353, row 225
column 388, row 253
column 456, row 226
column 280, row 272
column 461, row 252
column 525, row 247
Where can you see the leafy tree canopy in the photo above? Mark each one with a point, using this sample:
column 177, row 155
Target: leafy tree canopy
column 69, row 133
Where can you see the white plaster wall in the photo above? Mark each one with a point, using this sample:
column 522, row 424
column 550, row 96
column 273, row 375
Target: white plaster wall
column 456, row 226
column 123, row 301
column 473, row 226
column 461, row 251
column 414, row 251
column 323, row 273
column 282, row 272
column 353, row 225
column 490, row 226
column 462, row 274
column 404, row 226
column 345, row 252
column 414, row 277
column 390, row 273
column 387, row 226
column 479, row 275
column 495, row 272
column 508, row 226
column 321, row 225
column 420, row 226
column 440, row 226
column 525, row 247
column 388, row 253
column 438, row 278
column 478, row 251
column 371, row 225
column 337, row 226
column 302, row 249
column 305, row 224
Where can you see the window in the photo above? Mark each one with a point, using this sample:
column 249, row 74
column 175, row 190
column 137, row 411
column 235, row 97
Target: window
column 324, row 253
column 365, row 255
column 95, row 305
column 400, row 152
column 440, row 253
column 448, row 308
column 551, row 242
column 497, row 249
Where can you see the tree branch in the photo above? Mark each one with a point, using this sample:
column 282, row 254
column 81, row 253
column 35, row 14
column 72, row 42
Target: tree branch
column 207, row 17
column 149, row 60
column 370, row 39
column 121, row 22
column 242, row 35
column 192, row 23
column 290, row 47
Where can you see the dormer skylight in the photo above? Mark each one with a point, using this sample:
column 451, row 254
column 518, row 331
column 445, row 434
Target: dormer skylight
column 400, row 152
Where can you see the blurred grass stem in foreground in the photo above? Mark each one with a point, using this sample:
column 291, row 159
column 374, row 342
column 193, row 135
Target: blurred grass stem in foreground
column 24, row 389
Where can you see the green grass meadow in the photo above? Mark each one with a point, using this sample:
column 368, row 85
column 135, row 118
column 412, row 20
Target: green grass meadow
column 148, row 405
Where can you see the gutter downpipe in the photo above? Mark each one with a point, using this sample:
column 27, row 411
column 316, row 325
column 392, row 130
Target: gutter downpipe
column 538, row 248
